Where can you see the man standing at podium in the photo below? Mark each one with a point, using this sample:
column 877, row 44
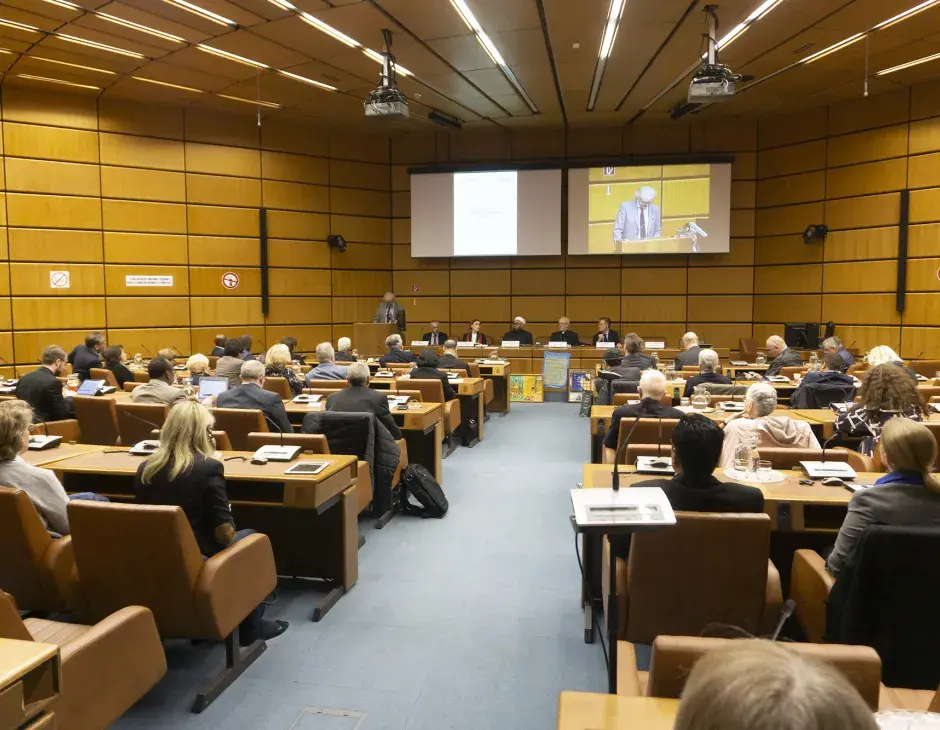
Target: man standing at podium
column 638, row 219
column 389, row 311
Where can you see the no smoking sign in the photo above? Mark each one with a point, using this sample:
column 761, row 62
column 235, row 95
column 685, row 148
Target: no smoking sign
column 230, row 280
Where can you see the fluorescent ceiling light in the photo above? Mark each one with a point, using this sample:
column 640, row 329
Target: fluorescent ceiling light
column 490, row 48
column 202, row 12
column 304, row 79
column 281, row 4
column 141, row 28
column 71, row 65
column 379, row 58
column 58, row 81
column 762, row 10
column 467, row 15
column 614, row 13
column 230, row 56
column 167, row 83
column 99, row 46
column 329, row 30
column 19, row 26
column 65, row 4
column 730, row 36
column 833, row 48
column 906, row 14
column 7, row 50
column 916, row 62
column 256, row 102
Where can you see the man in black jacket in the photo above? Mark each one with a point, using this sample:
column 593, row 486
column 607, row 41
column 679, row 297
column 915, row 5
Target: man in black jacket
column 435, row 337
column 635, row 357
column 427, row 370
column 518, row 333
column 564, row 334
column 43, row 390
column 252, row 395
column 395, row 352
column 710, row 372
column 219, row 348
column 652, row 388
column 85, row 357
column 450, row 361
column 344, row 352
column 605, row 335
column 782, row 355
column 690, row 350
column 358, row 397
column 696, row 449
column 825, row 385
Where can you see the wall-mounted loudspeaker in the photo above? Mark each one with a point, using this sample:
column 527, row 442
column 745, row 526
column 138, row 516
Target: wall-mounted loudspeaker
column 815, row 233
column 338, row 242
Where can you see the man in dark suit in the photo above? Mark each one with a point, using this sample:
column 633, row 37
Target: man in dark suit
column 819, row 386
column 450, row 361
column 613, row 362
column 652, row 388
column 219, row 348
column 395, row 352
column 518, row 333
column 427, row 370
column 43, row 390
column 604, row 334
column 696, row 449
column 358, row 397
column 834, row 344
column 710, row 372
column 252, row 395
column 635, row 357
column 246, row 347
column 689, row 356
column 564, row 334
column 435, row 336
column 85, row 357
column 344, row 352
column 783, row 356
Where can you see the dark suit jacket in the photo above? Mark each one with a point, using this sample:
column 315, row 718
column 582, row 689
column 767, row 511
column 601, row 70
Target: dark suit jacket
column 481, row 338
column 84, row 359
column 441, row 337
column 339, row 356
column 200, row 492
column 217, row 351
column 716, row 378
column 43, row 391
column 121, row 373
column 688, row 358
column 521, row 336
column 361, row 399
column 639, row 360
column 787, row 358
column 450, row 362
column 252, row 396
column 613, row 337
column 567, row 336
column 708, row 495
column 397, row 356
column 431, row 374
column 646, row 408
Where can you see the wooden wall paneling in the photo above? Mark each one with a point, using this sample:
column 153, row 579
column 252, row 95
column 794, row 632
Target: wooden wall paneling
column 876, row 144
column 298, row 254
column 866, row 243
column 868, row 212
column 867, row 337
column 363, row 256
column 295, row 225
column 804, row 279
column 35, row 280
column 786, row 249
column 870, row 309
column 38, row 244
column 57, row 313
column 540, row 281
column 787, row 219
column 49, row 143
column 299, row 282
column 293, row 137
column 402, row 260
column 420, row 311
column 223, row 160
column 720, row 308
column 45, row 176
column 864, row 113
column 299, row 310
column 308, row 335
column 789, row 189
column 204, row 337
column 148, row 152
column 204, row 220
column 296, row 196
column 721, row 280
column 363, row 175
column 225, row 311
column 488, row 309
column 653, row 281
column 360, row 229
column 354, row 309
column 428, row 283
column 539, row 310
column 139, row 184
column 922, row 275
column 144, row 248
column 362, row 283
column 791, row 308
column 721, row 334
column 860, row 276
column 228, row 251
column 295, row 168
column 462, row 283
column 28, row 345
column 544, row 262
column 128, row 215
column 221, row 190
column 53, row 211
column 866, row 179
column 135, row 340
column 740, row 253
column 586, row 308
column 38, row 106
column 923, row 171
column 924, row 206
column 788, row 129
column 922, row 309
column 921, row 342
column 147, row 311
column 646, row 308
column 925, row 135
column 592, row 281
column 791, row 159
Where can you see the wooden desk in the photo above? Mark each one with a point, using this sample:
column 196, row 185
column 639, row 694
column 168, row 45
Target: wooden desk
column 732, row 370
column 590, row 711
column 30, row 678
column 499, row 374
column 312, row 520
column 60, row 452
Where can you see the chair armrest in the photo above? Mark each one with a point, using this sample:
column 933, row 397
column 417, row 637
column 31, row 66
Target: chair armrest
column 810, row 584
column 115, row 663
column 628, row 679
column 402, row 461
column 773, row 600
column 59, row 561
column 232, row 584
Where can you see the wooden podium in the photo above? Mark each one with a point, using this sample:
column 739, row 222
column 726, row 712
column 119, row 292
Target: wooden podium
column 369, row 338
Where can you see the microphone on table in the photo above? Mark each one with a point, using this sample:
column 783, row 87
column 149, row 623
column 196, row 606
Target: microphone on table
column 788, row 608
column 822, row 458
column 276, row 427
column 147, row 350
column 155, row 426
column 615, row 479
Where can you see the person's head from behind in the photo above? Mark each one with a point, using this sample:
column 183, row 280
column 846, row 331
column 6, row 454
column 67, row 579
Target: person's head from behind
column 186, row 432
column 518, row 323
column 833, row 361
column 169, row 353
column 393, row 342
column 880, row 355
column 563, row 324
column 475, row 325
column 888, row 387
column 15, row 419
column 252, row 371
column 197, row 364
column 760, row 401
column 435, row 326
column 428, row 359
column 233, row 348
column 113, row 354
column 246, row 343
column 161, row 369
column 689, row 339
column 357, row 374
column 696, row 445
column 775, row 345
column 277, row 357
column 343, row 344
column 708, row 361
column 388, row 297
column 325, row 353
column 832, row 344
column 54, row 358
column 220, row 340
column 450, row 347
column 754, row 684
column 633, row 343
column 910, row 447
column 613, row 357
column 652, row 384
column 603, row 324
column 95, row 341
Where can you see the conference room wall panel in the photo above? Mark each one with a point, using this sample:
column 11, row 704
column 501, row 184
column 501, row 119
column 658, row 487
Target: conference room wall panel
column 362, row 175
column 866, row 243
column 592, row 281
column 36, row 279
column 216, row 311
column 295, row 196
column 653, row 281
column 537, row 311
column 803, row 279
column 116, row 280
column 786, row 249
column 222, row 190
column 924, row 135
column 299, row 282
column 137, row 340
column 461, row 283
column 925, row 205
column 48, row 143
column 299, row 254
column 866, row 179
column 652, row 309
column 922, row 275
column 422, row 310
column 295, row 168
column 721, row 280
column 138, row 184
column 207, row 281
column 359, row 229
column 362, row 256
column 923, row 171
column 216, row 159
column 402, row 260
column 741, row 253
column 144, row 152
column 860, row 276
column 789, row 189
column 719, row 308
column 487, row 309
column 791, row 159
column 229, row 251
column 143, row 217
column 875, row 144
column 922, row 309
column 299, row 310
column 416, row 284
column 920, row 342
column 37, row 244
column 587, row 309
column 52, row 211
column 45, row 176
column 477, row 262
column 362, row 283
column 347, row 310
column 66, row 312
column 147, row 311
column 788, row 129
column 870, row 211
column 375, row 203
column 861, row 308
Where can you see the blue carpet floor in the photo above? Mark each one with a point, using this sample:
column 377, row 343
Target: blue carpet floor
column 469, row 622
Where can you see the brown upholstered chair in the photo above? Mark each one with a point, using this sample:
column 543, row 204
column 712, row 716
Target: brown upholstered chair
column 146, row 555
column 238, row 423
column 432, row 391
column 783, row 458
column 103, row 374
column 647, row 431
column 327, row 384
column 97, row 418
column 691, row 369
column 747, row 348
column 622, row 399
column 790, row 371
column 415, row 395
column 279, row 386
column 708, row 568
column 68, row 429
column 929, row 391
column 859, row 369
column 213, row 359
column 140, row 376
column 38, row 571
column 105, row 668
column 927, row 368
column 673, row 658
column 136, row 420
column 129, row 387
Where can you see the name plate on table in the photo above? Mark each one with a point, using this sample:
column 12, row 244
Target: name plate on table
column 419, row 343
column 821, row 469
column 556, row 344
column 655, row 345
column 494, row 362
column 468, row 344
column 640, row 506
column 739, row 363
column 778, row 379
column 509, row 343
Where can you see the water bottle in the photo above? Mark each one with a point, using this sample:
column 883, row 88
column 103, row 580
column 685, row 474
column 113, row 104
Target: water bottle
column 814, row 362
column 753, row 458
column 655, row 359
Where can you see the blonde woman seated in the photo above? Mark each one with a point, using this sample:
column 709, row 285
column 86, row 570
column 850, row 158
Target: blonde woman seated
column 884, row 355
column 756, row 420
column 197, row 365
column 277, row 363
column 754, row 684
column 909, row 494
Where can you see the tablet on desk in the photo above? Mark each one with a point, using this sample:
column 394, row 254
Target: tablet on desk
column 211, row 386
column 90, row 387
column 308, row 468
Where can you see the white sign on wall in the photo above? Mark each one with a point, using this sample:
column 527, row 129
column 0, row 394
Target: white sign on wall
column 59, row 279
column 148, row 281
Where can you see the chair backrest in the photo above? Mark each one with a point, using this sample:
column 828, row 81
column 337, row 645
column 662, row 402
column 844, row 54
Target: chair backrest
column 344, row 431
column 136, row 420
column 103, row 374
column 929, row 391
column 11, row 625
column 415, row 395
column 432, row 391
column 68, row 429
column 648, row 431
column 691, row 369
column 474, row 369
column 213, row 359
column 222, row 441
column 238, row 423
column 791, row 370
column 781, row 457
column 622, row 399
column 622, row 385
column 723, row 391
column 97, row 417
column 279, row 386
column 312, row 443
column 708, row 568
column 141, row 376
column 747, row 347
column 129, row 387
column 23, row 542
column 327, row 384
column 927, row 368
column 674, row 656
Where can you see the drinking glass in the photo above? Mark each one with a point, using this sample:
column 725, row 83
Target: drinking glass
column 763, row 468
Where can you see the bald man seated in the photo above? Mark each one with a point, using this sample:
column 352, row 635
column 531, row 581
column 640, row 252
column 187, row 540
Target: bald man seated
column 781, row 356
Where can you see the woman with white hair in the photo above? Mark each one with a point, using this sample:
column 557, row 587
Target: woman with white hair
column 518, row 333
column 710, row 372
column 197, row 365
column 277, row 364
column 757, row 421
column 344, row 351
column 881, row 355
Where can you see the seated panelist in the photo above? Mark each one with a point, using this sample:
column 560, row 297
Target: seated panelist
column 474, row 335
column 605, row 335
column 564, row 334
column 518, row 333
column 435, row 336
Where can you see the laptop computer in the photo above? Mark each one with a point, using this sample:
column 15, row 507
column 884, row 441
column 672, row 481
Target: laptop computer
column 211, row 386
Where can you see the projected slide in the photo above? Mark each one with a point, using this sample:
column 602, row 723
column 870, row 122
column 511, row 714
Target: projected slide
column 485, row 213
column 650, row 209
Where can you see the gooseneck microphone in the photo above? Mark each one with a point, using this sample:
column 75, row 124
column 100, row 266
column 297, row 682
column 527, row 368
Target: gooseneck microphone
column 615, row 479
column 788, row 608
column 276, row 427
column 147, row 350
column 155, row 426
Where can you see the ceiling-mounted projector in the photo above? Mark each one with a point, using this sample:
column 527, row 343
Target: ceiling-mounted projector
column 712, row 81
column 387, row 100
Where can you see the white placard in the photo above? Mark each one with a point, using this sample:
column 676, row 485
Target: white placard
column 148, row 280
column 468, row 344
column 509, row 343
column 59, row 279
column 419, row 343
column 656, row 345
column 557, row 344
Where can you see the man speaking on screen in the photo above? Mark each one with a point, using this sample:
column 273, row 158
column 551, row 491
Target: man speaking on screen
column 638, row 219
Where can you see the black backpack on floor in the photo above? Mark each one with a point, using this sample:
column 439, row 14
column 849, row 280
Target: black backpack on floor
column 419, row 482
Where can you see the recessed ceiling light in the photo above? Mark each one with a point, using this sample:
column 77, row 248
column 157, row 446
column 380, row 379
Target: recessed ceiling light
column 834, row 47
column 329, row 30
column 256, row 102
column 916, row 62
column 19, row 26
column 72, row 65
column 99, row 46
column 905, row 15
column 167, row 83
column 379, row 58
column 202, row 12
column 65, row 4
column 614, row 13
column 58, row 81
column 304, row 79
column 231, row 56
column 141, row 28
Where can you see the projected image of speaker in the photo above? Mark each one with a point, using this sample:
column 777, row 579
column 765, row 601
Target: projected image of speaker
column 801, row 335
